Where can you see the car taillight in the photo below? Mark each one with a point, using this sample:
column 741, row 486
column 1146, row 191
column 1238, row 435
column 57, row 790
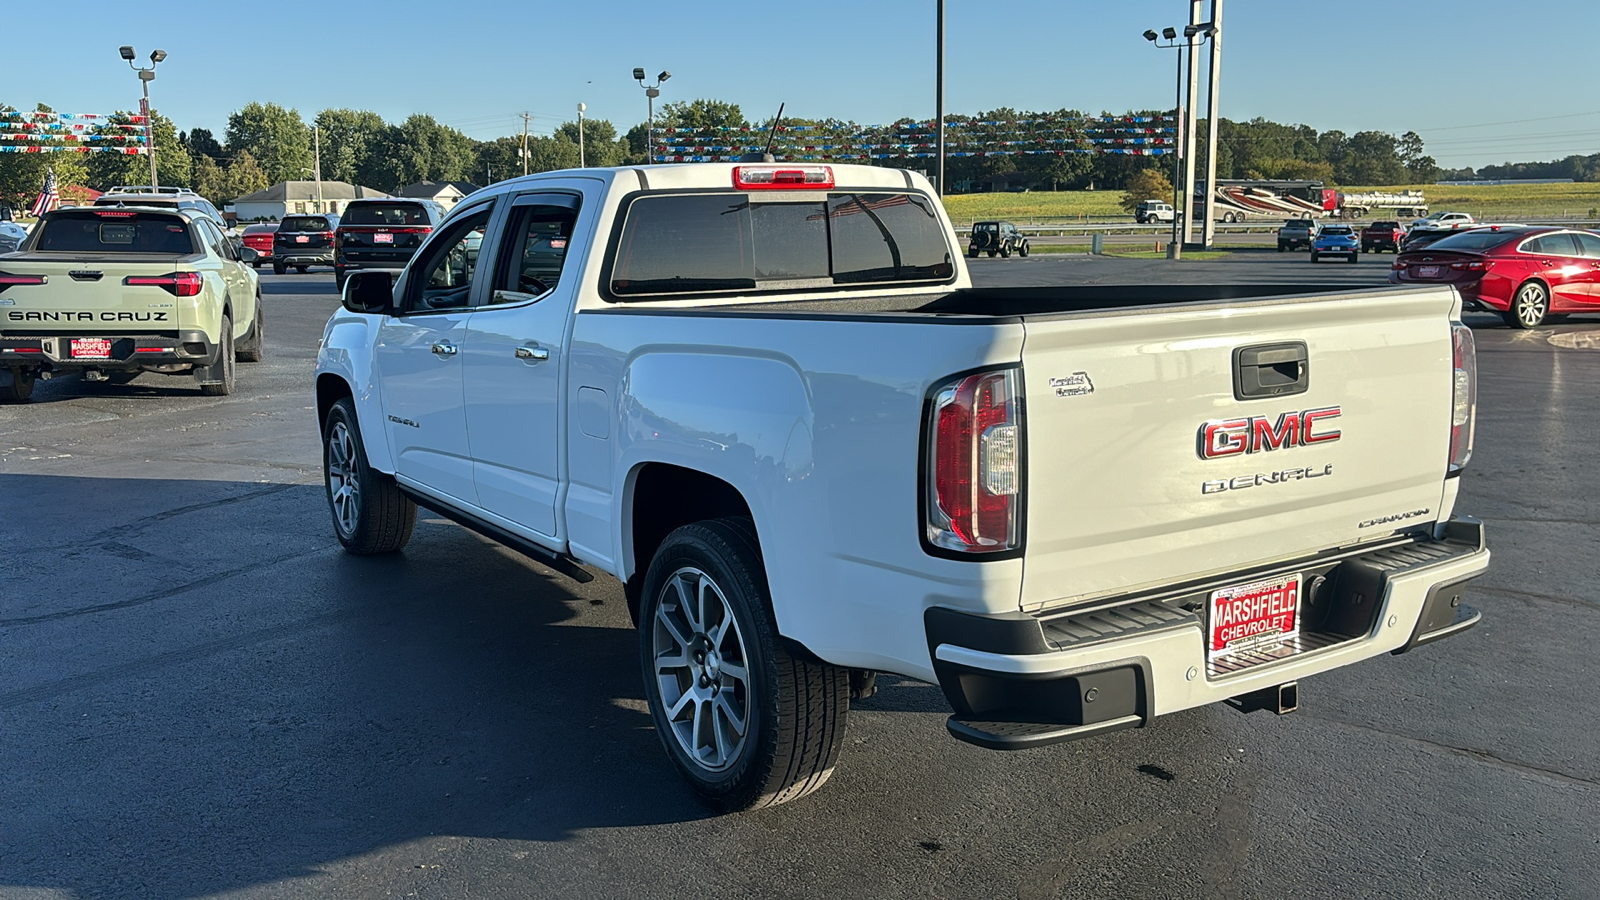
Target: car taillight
column 179, row 284
column 780, row 178
column 974, row 471
column 326, row 234
column 7, row 280
column 1464, row 408
column 1473, row 266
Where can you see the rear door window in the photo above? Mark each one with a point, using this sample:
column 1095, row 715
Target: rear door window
column 119, row 231
column 534, row 254
column 1589, row 244
column 698, row 243
column 1554, row 245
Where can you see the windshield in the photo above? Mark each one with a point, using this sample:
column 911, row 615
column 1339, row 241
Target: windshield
column 120, row 231
column 687, row 243
column 392, row 214
column 1475, row 240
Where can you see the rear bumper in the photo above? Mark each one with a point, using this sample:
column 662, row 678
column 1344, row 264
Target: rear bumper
column 1019, row 681
column 292, row 256
column 128, row 351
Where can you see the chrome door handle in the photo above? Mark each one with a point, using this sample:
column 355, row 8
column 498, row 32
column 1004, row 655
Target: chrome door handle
column 444, row 348
column 534, row 352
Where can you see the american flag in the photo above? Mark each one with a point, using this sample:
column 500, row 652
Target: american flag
column 48, row 198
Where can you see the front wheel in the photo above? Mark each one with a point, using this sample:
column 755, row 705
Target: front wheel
column 746, row 723
column 1529, row 307
column 1023, row 250
column 370, row 514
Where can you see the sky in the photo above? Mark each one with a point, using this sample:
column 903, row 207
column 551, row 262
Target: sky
column 1483, row 82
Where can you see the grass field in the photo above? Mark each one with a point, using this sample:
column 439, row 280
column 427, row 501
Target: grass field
column 1508, row 202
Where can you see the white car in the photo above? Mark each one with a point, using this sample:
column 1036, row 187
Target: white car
column 1444, row 221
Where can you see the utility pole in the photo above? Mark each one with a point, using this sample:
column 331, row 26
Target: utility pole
column 525, row 117
column 316, row 139
column 938, row 101
column 1213, row 121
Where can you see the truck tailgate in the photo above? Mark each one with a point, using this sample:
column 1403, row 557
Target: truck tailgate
column 89, row 292
column 1121, row 495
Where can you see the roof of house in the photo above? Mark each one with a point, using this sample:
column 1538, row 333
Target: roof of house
column 434, row 189
column 285, row 191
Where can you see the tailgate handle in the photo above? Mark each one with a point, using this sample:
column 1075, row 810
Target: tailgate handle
column 1271, row 370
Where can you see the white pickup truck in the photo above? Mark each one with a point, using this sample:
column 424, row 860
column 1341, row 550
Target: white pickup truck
column 767, row 400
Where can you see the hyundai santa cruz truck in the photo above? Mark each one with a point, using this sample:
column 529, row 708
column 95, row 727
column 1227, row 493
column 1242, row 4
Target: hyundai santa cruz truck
column 767, row 400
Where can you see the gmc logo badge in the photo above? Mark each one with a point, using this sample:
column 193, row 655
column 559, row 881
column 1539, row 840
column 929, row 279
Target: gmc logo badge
column 1232, row 437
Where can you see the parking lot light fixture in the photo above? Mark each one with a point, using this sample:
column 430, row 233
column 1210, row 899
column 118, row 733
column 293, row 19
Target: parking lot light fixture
column 1175, row 245
column 146, row 75
column 651, row 92
column 1171, row 34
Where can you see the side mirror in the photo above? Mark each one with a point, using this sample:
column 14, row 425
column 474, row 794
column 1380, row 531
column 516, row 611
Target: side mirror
column 248, row 254
column 369, row 292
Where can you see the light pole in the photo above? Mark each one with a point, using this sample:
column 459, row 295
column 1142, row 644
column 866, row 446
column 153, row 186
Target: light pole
column 651, row 92
column 581, row 108
column 145, row 77
column 1175, row 246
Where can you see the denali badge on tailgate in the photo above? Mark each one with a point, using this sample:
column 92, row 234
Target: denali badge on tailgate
column 1231, row 437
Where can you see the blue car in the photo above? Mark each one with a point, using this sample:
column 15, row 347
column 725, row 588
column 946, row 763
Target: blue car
column 1336, row 240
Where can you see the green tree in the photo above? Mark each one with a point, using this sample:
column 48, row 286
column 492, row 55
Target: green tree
column 173, row 166
column 22, row 174
column 349, row 137
column 498, row 159
column 1371, row 157
column 420, row 149
column 1146, row 184
column 601, row 146
column 245, row 176
column 211, row 180
column 277, row 138
column 201, row 142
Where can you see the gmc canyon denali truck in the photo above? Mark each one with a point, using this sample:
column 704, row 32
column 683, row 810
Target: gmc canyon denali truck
column 766, row 399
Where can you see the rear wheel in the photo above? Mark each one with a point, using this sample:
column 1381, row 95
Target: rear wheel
column 302, row 269
column 1315, row 256
column 18, row 387
column 1005, row 251
column 370, row 515
column 747, row 723
column 279, row 268
column 992, row 253
column 225, row 360
column 1282, row 248
column 1529, row 306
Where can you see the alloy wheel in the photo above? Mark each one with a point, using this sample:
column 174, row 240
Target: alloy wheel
column 1531, row 305
column 344, row 482
column 701, row 669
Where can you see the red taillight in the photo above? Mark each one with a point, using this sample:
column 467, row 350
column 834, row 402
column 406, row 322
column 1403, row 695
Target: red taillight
column 7, row 280
column 179, row 284
column 326, row 234
column 1464, row 408
column 783, row 178
column 974, row 465
column 1476, row 265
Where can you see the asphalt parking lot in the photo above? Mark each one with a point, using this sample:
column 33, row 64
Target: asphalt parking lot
column 203, row 696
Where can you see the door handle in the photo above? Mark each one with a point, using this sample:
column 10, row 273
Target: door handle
column 443, row 348
column 534, row 353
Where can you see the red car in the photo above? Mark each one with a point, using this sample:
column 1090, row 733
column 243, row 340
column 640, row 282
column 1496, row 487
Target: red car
column 258, row 237
column 1524, row 273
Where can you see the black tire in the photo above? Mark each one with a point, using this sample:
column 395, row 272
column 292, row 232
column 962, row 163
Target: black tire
column 993, row 253
column 256, row 264
column 302, row 269
column 373, row 516
column 1315, row 256
column 1530, row 306
column 1282, row 248
column 279, row 268
column 1005, row 251
column 19, row 387
column 227, row 358
column 971, row 253
column 795, row 710
column 1354, row 257
column 1022, row 251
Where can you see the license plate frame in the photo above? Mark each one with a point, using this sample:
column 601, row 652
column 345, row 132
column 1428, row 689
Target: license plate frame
column 1428, row 271
column 302, row 239
column 92, row 348
column 382, row 237
column 1258, row 614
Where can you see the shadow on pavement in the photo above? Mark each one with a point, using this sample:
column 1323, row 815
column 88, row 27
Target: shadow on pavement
column 206, row 693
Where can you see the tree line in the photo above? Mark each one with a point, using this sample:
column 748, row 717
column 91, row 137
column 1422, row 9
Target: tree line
column 265, row 143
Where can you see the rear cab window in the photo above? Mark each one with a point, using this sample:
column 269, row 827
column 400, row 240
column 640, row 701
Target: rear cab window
column 709, row 242
column 115, row 231
column 292, row 224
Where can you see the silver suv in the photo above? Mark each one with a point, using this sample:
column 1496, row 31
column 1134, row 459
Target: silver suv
column 162, row 198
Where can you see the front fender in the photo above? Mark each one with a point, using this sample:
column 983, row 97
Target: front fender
column 348, row 348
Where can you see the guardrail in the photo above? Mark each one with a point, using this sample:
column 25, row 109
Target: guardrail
column 1236, row 227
